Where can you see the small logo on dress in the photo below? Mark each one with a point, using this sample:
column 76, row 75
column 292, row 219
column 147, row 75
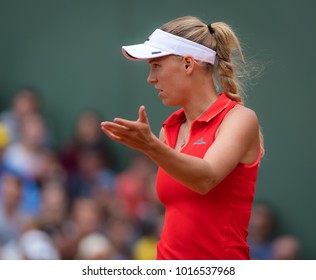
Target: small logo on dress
column 200, row 141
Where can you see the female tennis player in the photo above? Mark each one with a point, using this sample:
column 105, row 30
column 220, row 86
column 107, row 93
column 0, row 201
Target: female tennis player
column 208, row 152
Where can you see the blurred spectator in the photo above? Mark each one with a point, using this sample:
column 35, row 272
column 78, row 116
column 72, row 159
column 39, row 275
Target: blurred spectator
column 50, row 168
column 86, row 216
column 33, row 244
column 122, row 234
column 134, row 210
column 286, row 247
column 24, row 154
column 30, row 201
column 4, row 142
column 87, row 159
column 24, row 158
column 262, row 230
column 84, row 219
column 25, row 101
column 91, row 175
column 4, row 138
column 54, row 218
column 11, row 216
column 145, row 246
column 134, row 186
column 95, row 246
column 54, row 209
column 87, row 135
column 265, row 242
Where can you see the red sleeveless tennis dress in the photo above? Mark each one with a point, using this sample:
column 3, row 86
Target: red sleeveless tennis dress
column 211, row 226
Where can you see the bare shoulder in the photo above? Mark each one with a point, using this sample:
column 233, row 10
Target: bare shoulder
column 243, row 110
column 242, row 126
column 242, row 116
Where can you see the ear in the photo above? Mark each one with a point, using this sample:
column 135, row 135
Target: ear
column 188, row 63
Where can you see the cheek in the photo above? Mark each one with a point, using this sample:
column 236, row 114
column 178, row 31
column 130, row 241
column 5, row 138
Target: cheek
column 176, row 81
column 173, row 76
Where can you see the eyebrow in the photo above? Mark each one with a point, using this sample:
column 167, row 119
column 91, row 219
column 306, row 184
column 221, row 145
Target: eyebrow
column 153, row 60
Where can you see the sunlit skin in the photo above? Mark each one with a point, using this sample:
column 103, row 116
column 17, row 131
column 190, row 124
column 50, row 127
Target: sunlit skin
column 182, row 81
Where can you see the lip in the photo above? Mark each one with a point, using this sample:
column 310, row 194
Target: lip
column 160, row 93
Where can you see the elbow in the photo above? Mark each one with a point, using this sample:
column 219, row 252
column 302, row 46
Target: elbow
column 206, row 181
column 205, row 186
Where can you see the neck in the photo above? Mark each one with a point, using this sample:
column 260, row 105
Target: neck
column 196, row 107
column 200, row 94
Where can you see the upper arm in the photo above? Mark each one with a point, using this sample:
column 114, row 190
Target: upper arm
column 237, row 139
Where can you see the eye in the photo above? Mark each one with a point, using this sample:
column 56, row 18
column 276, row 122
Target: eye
column 154, row 63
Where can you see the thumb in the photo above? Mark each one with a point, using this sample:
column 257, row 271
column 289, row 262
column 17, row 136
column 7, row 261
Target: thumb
column 142, row 116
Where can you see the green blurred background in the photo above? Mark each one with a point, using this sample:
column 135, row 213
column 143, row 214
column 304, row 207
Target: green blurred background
column 71, row 51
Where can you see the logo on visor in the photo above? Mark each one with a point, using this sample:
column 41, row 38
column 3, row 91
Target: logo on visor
column 156, row 52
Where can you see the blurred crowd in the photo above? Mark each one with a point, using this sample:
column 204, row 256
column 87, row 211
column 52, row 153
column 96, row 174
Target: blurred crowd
column 265, row 239
column 70, row 202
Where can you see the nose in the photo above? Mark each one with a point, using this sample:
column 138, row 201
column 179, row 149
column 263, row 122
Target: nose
column 151, row 79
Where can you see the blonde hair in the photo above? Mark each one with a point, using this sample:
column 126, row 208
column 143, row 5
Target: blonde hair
column 230, row 65
column 223, row 41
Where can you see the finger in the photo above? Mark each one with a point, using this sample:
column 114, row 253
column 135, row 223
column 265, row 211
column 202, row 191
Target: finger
column 114, row 126
column 127, row 124
column 142, row 115
column 114, row 131
column 112, row 134
column 115, row 138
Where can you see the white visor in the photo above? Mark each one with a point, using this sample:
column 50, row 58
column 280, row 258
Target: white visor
column 161, row 43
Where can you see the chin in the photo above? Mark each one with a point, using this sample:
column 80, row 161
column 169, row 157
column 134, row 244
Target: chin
column 169, row 104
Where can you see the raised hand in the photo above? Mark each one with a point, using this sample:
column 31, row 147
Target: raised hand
column 135, row 134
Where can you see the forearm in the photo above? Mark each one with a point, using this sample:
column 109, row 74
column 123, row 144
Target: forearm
column 193, row 172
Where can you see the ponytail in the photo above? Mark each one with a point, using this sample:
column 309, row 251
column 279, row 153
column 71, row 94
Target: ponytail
column 227, row 69
column 228, row 50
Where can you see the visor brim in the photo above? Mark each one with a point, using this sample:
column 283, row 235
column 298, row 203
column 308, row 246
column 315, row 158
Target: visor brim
column 142, row 52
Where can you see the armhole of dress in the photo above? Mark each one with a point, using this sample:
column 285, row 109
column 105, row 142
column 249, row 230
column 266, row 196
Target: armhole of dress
column 256, row 161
